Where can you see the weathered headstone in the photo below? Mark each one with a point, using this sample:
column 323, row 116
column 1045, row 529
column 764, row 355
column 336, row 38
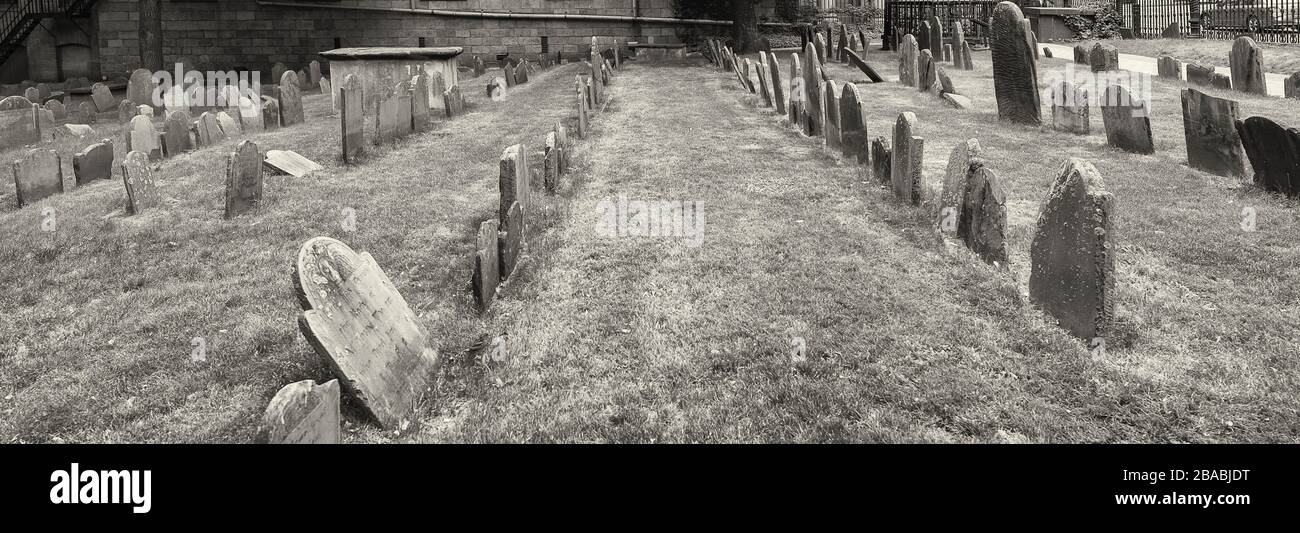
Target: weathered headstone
column 819, row 45
column 958, row 40
column 355, row 319
column 1127, row 121
column 1032, row 38
column 250, row 116
column 126, row 110
column 923, row 40
column 926, row 76
column 513, row 181
column 1169, row 67
column 511, row 243
column 137, row 177
column 420, row 102
column 1199, row 74
column 313, row 70
column 487, row 264
column 303, row 413
column 983, row 222
column 208, row 130
column 142, row 137
column 881, row 159
column 85, row 113
column 176, row 133
column 776, row 84
column 229, row 126
column 387, row 118
column 139, row 89
column 289, row 162
column 352, row 118
column 402, row 92
column 521, row 73
column 908, row 56
column 1072, row 274
column 480, row 68
column 956, row 100
column 936, row 37
column 551, row 163
column 95, row 162
column 853, row 129
column 581, row 94
column 811, row 85
column 1274, row 154
column 831, row 112
column 905, row 171
column 452, row 101
column 1170, row 31
column 966, row 62
column 1247, row 62
column 945, row 83
column 1103, row 58
column 1081, row 55
column 271, row 114
column 1015, row 73
column 1070, row 108
column 1291, row 86
column 843, row 43
column 37, row 175
column 289, row 94
column 765, row 94
column 19, row 122
column 857, row 61
column 57, row 109
column 103, row 98
column 797, row 107
column 1213, row 143
column 947, row 53
column 243, row 179
column 955, row 179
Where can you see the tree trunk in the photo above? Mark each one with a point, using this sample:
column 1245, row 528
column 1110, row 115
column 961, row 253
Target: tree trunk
column 745, row 30
column 151, row 55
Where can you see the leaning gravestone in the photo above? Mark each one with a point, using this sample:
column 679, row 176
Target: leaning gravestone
column 777, row 84
column 137, row 177
column 289, row 94
column 1070, row 108
column 1209, row 125
column 853, row 130
column 925, row 71
column 955, row 180
column 243, row 179
column 139, row 89
column 908, row 56
column 363, row 328
column 1127, row 121
column 905, row 173
column 881, row 159
column 857, row 61
column 487, row 264
column 1169, row 67
column 229, row 126
column 1247, row 61
column 945, row 82
column 1103, row 58
column 983, row 222
column 38, row 175
column 966, row 62
column 270, row 114
column 1072, row 275
column 420, row 102
column 176, row 133
column 352, row 118
column 95, row 162
column 303, row 413
column 141, row 137
column 831, row 115
column 509, row 75
column 1274, row 153
column 103, row 98
column 290, row 162
column 1015, row 73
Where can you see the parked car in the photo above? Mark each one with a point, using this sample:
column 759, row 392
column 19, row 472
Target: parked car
column 1250, row 15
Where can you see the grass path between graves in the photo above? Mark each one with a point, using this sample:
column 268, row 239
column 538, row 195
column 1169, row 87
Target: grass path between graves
column 107, row 306
column 1278, row 58
column 909, row 339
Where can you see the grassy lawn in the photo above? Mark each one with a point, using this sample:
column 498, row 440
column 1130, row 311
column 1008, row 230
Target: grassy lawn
column 1278, row 58
column 642, row 339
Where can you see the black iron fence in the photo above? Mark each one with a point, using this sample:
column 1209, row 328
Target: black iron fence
column 905, row 16
column 1275, row 21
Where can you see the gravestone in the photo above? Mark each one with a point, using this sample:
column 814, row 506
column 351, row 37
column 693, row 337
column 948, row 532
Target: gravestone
column 126, row 110
column 1213, row 143
column 945, row 82
column 352, row 118
column 1291, row 87
column 843, row 44
column 983, row 222
column 1222, row 81
column 881, row 160
column 1081, row 55
column 1072, row 274
column 812, row 89
column 356, row 320
column 797, row 107
column 229, row 126
column 303, row 413
column 947, row 53
column 513, row 182
column 1032, row 38
column 765, row 85
column 1169, row 68
column 511, row 244
column 278, row 70
column 327, row 88
column 141, row 137
column 145, row 110
column 1247, row 61
column 562, row 143
column 509, row 75
column 313, row 70
column 908, row 56
column 270, row 114
column 290, row 162
column 1170, row 31
column 1070, row 108
column 208, row 130
column 956, row 100
column 387, row 118
column 85, row 113
column 1103, row 58
column 776, row 84
column 551, row 163
column 452, row 101
column 304, row 81
column 1127, row 121
column 289, row 94
column 853, row 129
column 103, row 98
column 402, row 92
column 175, row 98
column 57, row 109
column 1274, row 154
column 479, row 67
column 19, row 122
column 1199, row 74
column 936, row 37
column 955, row 179
column 966, row 62
column 581, row 94
column 857, row 61
column 487, row 264
column 243, row 179
column 37, row 175
column 926, row 76
column 819, row 46
column 176, row 133
column 1015, row 73
column 521, row 73
column 32, row 94
column 905, row 171
column 139, row 88
column 831, row 114
column 420, row 102
column 250, row 116
column 923, row 40
column 958, row 40
column 95, row 162
column 141, row 190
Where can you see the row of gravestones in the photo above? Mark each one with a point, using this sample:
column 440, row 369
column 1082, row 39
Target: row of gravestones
column 282, row 108
column 830, row 48
column 513, row 73
column 919, row 67
column 355, row 319
column 405, row 111
column 1074, row 227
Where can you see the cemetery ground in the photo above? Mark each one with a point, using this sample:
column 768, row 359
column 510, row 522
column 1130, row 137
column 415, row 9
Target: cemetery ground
column 650, row 339
column 1278, row 58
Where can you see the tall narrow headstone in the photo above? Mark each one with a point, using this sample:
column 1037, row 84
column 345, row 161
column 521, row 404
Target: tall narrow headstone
column 270, row 114
column 831, row 112
column 514, row 180
column 1213, row 143
column 351, row 118
column 313, row 70
column 881, row 160
column 853, row 129
column 797, row 108
column 983, row 222
column 906, row 167
column 926, row 76
column 811, row 84
column 452, row 101
column 936, row 36
column 1247, row 61
column 386, row 120
column 1072, row 274
column 908, row 56
column 487, row 264
column 923, row 32
column 966, row 62
column 243, row 179
column 776, row 83
column 551, row 163
column 402, row 92
column 1127, row 121
column 420, row 102
column 1015, row 73
column 958, row 40
column 581, row 94
column 137, row 178
column 289, row 94
column 511, row 242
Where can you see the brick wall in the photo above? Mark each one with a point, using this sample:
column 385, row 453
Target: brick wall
column 227, row 34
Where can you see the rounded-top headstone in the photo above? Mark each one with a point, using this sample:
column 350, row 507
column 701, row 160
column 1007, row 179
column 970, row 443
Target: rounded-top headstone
column 1247, row 62
column 1015, row 73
